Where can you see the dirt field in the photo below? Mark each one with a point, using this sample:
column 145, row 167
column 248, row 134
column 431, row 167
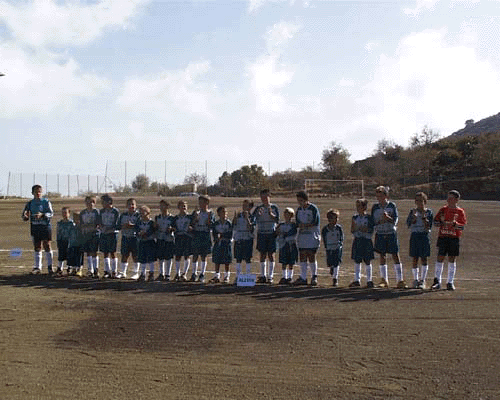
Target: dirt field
column 78, row 338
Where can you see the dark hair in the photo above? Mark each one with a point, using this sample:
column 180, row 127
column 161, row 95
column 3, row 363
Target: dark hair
column 131, row 200
column 107, row 198
column 332, row 212
column 220, row 208
column 455, row 193
column 205, row 197
column 65, row 208
column 423, row 195
column 363, row 202
column 265, row 191
column 35, row 187
column 250, row 202
column 163, row 201
column 303, row 195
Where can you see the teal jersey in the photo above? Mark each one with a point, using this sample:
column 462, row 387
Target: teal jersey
column 109, row 220
column 64, row 229
column 35, row 206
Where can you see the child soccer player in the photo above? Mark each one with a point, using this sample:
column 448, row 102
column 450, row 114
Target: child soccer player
column 385, row 218
column 451, row 220
column 127, row 224
column 308, row 238
column 90, row 221
column 287, row 242
column 202, row 222
column 243, row 227
column 223, row 233
column 267, row 216
column 164, row 241
column 146, row 243
column 333, row 239
column 39, row 212
column 109, row 236
column 64, row 227
column 183, row 240
column 420, row 223
column 362, row 245
column 75, row 254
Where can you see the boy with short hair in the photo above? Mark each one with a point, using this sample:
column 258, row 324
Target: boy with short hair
column 164, row 241
column 183, row 240
column 362, row 245
column 90, row 221
column 419, row 221
column 223, row 234
column 202, row 222
column 243, row 227
column 385, row 218
column 333, row 240
column 39, row 212
column 109, row 235
column 267, row 216
column 451, row 220
column 287, row 242
column 64, row 227
column 75, row 240
column 146, row 244
column 127, row 224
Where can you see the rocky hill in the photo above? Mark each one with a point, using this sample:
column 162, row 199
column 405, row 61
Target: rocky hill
column 486, row 125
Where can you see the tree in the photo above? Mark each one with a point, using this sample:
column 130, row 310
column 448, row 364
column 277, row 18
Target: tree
column 140, row 183
column 335, row 161
column 424, row 139
column 389, row 150
column 195, row 179
column 247, row 180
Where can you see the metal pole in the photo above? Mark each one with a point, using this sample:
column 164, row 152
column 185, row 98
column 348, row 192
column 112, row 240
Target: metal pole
column 68, row 186
column 106, row 178
column 34, row 179
column 46, row 183
column 58, row 184
column 78, row 184
column 88, row 184
column 125, row 174
column 8, row 185
column 21, row 184
column 165, row 178
column 97, row 183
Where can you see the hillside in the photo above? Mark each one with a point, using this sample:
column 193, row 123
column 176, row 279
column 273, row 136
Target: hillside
column 486, row 125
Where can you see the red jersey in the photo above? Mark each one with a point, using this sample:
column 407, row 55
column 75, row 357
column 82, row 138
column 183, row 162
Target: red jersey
column 451, row 221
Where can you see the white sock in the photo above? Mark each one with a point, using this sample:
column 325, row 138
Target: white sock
column 137, row 266
column 424, row 270
column 303, row 270
column 168, row 267
column 415, row 273
column 285, row 273
column 227, row 274
column 398, row 269
column 248, row 268
column 369, row 272
column 186, row 266
column 217, row 275
column 124, row 268
column 383, row 272
column 177, row 267
column 238, row 269
column 335, row 272
column 95, row 260
column 49, row 255
column 314, row 268
column 114, row 265
column 152, row 267
column 203, row 267
column 263, row 268
column 357, row 272
column 290, row 273
column 438, row 271
column 195, row 267
column 161, row 266
column 107, row 264
column 452, row 268
column 271, row 269
column 61, row 265
column 38, row 260
column 90, row 264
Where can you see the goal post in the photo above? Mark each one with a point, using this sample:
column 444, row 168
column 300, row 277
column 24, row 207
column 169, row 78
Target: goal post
column 335, row 187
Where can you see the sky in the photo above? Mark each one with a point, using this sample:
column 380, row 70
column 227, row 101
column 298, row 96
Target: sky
column 220, row 84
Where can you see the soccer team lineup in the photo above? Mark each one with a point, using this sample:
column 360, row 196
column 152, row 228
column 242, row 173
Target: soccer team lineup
column 176, row 246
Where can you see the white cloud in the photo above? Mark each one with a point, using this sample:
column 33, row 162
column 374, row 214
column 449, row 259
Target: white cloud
column 420, row 6
column 47, row 22
column 39, row 82
column 171, row 92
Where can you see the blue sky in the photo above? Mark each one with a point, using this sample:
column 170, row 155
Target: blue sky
column 235, row 82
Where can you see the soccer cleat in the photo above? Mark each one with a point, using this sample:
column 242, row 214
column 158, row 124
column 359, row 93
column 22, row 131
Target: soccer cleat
column 436, row 285
column 50, row 272
column 96, row 274
column 113, row 274
column 354, row 284
column 421, row 285
column 193, row 277
column 226, row 279
column 121, row 275
column 269, row 280
column 183, row 278
column 261, row 279
column 160, row 278
column 59, row 272
column 135, row 276
column 177, row 278
column 300, row 281
column 402, row 285
column 335, row 282
column 370, row 285
column 141, row 278
column 167, row 278
column 106, row 275
column 35, row 271
column 68, row 272
column 383, row 283
column 90, row 274
column 201, row 278
column 314, row 280
column 283, row 281
column 416, row 284
column 288, row 281
column 215, row 279
column 151, row 276
column 450, row 286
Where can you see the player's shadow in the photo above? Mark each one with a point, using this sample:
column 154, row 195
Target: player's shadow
column 262, row 292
